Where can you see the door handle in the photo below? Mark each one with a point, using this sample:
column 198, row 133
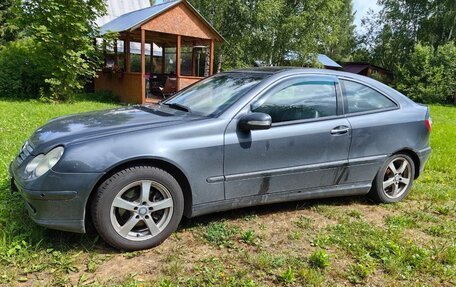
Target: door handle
column 340, row 130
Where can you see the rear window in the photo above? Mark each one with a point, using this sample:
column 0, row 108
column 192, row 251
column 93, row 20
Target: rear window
column 360, row 98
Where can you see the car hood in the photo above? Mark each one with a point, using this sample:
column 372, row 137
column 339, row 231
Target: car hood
column 84, row 126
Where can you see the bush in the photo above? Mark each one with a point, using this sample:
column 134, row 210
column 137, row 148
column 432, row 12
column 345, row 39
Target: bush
column 430, row 74
column 23, row 69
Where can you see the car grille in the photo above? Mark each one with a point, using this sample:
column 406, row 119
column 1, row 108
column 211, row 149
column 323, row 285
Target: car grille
column 24, row 153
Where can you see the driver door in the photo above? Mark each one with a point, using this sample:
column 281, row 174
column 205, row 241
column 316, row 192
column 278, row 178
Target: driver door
column 305, row 147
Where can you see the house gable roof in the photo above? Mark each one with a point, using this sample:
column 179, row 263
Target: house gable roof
column 136, row 19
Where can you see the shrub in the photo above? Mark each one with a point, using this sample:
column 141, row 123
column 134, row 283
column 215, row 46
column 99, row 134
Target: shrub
column 430, row 74
column 23, row 69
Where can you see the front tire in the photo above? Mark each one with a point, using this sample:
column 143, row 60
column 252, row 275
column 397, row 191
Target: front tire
column 137, row 208
column 394, row 179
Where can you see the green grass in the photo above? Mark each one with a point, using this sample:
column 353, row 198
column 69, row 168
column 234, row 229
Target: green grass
column 315, row 243
column 25, row 247
column 220, row 234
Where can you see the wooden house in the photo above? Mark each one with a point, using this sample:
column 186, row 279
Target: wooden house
column 369, row 70
column 157, row 50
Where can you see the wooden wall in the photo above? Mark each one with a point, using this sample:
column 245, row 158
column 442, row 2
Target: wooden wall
column 180, row 20
column 127, row 87
column 184, row 82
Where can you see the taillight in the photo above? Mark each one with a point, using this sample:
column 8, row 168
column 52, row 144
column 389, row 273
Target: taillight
column 428, row 122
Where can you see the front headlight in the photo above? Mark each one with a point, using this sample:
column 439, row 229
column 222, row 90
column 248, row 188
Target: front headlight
column 42, row 163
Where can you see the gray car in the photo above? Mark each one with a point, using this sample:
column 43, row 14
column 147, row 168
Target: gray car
column 234, row 140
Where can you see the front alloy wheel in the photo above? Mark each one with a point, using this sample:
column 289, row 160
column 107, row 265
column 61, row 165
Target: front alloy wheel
column 137, row 208
column 141, row 210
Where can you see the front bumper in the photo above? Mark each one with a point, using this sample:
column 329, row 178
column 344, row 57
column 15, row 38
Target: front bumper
column 58, row 200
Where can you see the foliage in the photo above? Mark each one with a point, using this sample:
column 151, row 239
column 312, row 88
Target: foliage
column 64, row 31
column 23, row 69
column 319, row 259
column 220, row 234
column 266, row 30
column 8, row 31
column 391, row 34
column 249, row 237
column 430, row 74
column 414, row 39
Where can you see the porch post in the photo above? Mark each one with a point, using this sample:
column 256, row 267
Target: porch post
column 143, row 65
column 193, row 60
column 163, row 58
column 151, row 59
column 211, row 61
column 127, row 53
column 178, row 61
column 115, row 53
column 104, row 52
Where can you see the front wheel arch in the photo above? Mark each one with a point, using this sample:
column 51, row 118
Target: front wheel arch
column 172, row 169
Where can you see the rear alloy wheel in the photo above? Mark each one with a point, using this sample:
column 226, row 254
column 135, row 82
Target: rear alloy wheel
column 394, row 180
column 138, row 208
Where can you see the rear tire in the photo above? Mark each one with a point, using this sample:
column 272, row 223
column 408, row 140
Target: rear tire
column 137, row 208
column 394, row 179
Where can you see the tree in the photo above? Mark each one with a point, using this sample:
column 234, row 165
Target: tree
column 343, row 41
column 8, row 31
column 65, row 30
column 266, row 30
column 430, row 74
column 23, row 69
column 392, row 34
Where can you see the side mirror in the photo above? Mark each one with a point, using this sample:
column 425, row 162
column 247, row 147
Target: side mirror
column 255, row 121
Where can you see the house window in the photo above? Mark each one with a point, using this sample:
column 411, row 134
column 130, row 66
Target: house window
column 135, row 57
column 170, row 60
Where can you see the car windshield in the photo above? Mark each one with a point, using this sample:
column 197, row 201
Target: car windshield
column 214, row 95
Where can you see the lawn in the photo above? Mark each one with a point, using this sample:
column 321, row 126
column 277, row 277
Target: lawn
column 315, row 243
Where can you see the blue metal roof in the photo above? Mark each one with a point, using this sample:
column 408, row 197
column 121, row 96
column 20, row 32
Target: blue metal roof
column 321, row 58
column 134, row 19
column 327, row 62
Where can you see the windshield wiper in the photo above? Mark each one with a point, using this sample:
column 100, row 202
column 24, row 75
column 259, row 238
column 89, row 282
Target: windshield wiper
column 178, row 107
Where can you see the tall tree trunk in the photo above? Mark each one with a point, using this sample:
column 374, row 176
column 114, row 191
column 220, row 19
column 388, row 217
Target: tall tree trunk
column 220, row 61
column 450, row 35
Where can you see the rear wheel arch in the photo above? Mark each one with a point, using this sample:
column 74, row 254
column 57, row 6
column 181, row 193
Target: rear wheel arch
column 414, row 156
column 171, row 168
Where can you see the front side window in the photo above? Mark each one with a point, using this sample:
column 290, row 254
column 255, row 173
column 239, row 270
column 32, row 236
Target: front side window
column 299, row 100
column 360, row 98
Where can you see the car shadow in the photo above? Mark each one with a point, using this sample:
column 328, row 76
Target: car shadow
column 267, row 209
column 91, row 242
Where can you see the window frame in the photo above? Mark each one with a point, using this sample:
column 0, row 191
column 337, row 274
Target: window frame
column 282, row 83
column 345, row 99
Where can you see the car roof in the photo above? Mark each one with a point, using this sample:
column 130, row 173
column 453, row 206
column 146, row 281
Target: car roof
column 268, row 72
column 295, row 70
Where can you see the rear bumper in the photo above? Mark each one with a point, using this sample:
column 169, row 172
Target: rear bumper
column 423, row 155
column 50, row 207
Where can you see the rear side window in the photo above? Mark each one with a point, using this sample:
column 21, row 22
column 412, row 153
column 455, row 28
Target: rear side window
column 299, row 100
column 360, row 98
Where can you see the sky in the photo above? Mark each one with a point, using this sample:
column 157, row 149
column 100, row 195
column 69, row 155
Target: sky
column 361, row 7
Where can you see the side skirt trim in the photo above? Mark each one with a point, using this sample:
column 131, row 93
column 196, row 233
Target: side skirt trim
column 332, row 191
